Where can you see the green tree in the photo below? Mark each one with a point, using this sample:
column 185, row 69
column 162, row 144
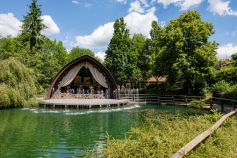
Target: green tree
column 78, row 52
column 47, row 63
column 18, row 85
column 12, row 47
column 141, row 62
column 7, row 48
column 146, row 61
column 51, row 58
column 156, row 33
column 227, row 73
column 116, row 59
column 234, row 56
column 32, row 27
column 185, row 54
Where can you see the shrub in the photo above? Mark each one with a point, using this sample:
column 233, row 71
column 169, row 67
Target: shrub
column 224, row 90
column 196, row 104
column 228, row 74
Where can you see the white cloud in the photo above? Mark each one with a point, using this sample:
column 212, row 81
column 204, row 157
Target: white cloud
column 100, row 37
column 225, row 51
column 101, row 55
column 183, row 4
column 9, row 25
column 166, row 2
column 186, row 4
column 76, row 2
column 52, row 27
column 122, row 1
column 136, row 7
column 140, row 23
column 221, row 7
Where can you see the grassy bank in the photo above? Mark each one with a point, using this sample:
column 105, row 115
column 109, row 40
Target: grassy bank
column 163, row 134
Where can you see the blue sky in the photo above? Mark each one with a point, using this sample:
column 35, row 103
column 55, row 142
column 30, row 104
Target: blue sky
column 89, row 23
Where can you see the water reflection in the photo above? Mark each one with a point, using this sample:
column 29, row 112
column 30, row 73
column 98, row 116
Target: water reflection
column 47, row 133
column 55, row 133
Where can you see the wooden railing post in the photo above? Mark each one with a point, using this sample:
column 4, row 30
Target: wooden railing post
column 211, row 106
column 222, row 106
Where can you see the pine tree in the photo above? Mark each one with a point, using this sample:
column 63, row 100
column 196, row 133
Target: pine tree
column 32, row 27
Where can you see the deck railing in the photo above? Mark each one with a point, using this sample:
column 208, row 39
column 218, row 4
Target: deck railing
column 213, row 103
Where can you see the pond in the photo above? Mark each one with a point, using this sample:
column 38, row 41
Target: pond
column 32, row 132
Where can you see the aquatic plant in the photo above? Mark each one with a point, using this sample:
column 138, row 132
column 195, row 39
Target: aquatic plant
column 163, row 135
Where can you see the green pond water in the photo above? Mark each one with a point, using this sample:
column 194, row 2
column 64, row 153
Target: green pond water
column 68, row 133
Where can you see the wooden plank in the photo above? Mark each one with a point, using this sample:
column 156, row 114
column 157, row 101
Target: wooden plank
column 188, row 147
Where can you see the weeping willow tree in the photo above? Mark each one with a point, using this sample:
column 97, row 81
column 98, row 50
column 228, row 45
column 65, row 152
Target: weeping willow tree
column 17, row 84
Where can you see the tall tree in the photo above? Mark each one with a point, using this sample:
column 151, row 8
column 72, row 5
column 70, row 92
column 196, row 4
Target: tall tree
column 185, row 54
column 116, row 59
column 47, row 63
column 141, row 61
column 146, row 61
column 155, row 44
column 32, row 27
column 18, row 85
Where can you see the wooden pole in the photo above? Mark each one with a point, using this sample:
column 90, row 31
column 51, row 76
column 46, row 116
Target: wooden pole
column 188, row 147
column 222, row 106
column 211, row 106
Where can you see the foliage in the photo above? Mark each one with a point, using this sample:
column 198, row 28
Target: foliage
column 51, row 57
column 32, row 27
column 144, row 61
column 17, row 84
column 229, row 74
column 224, row 89
column 47, row 63
column 78, row 52
column 184, row 53
column 234, row 57
column 7, row 48
column 221, row 143
column 197, row 104
column 132, row 68
column 216, row 114
column 118, row 52
column 156, row 137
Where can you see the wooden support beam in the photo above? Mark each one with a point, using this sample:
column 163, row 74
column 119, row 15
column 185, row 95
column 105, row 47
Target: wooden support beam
column 188, row 147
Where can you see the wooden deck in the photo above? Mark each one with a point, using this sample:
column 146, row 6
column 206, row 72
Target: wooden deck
column 82, row 103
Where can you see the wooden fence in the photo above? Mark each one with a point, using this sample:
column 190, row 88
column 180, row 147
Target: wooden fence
column 213, row 103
